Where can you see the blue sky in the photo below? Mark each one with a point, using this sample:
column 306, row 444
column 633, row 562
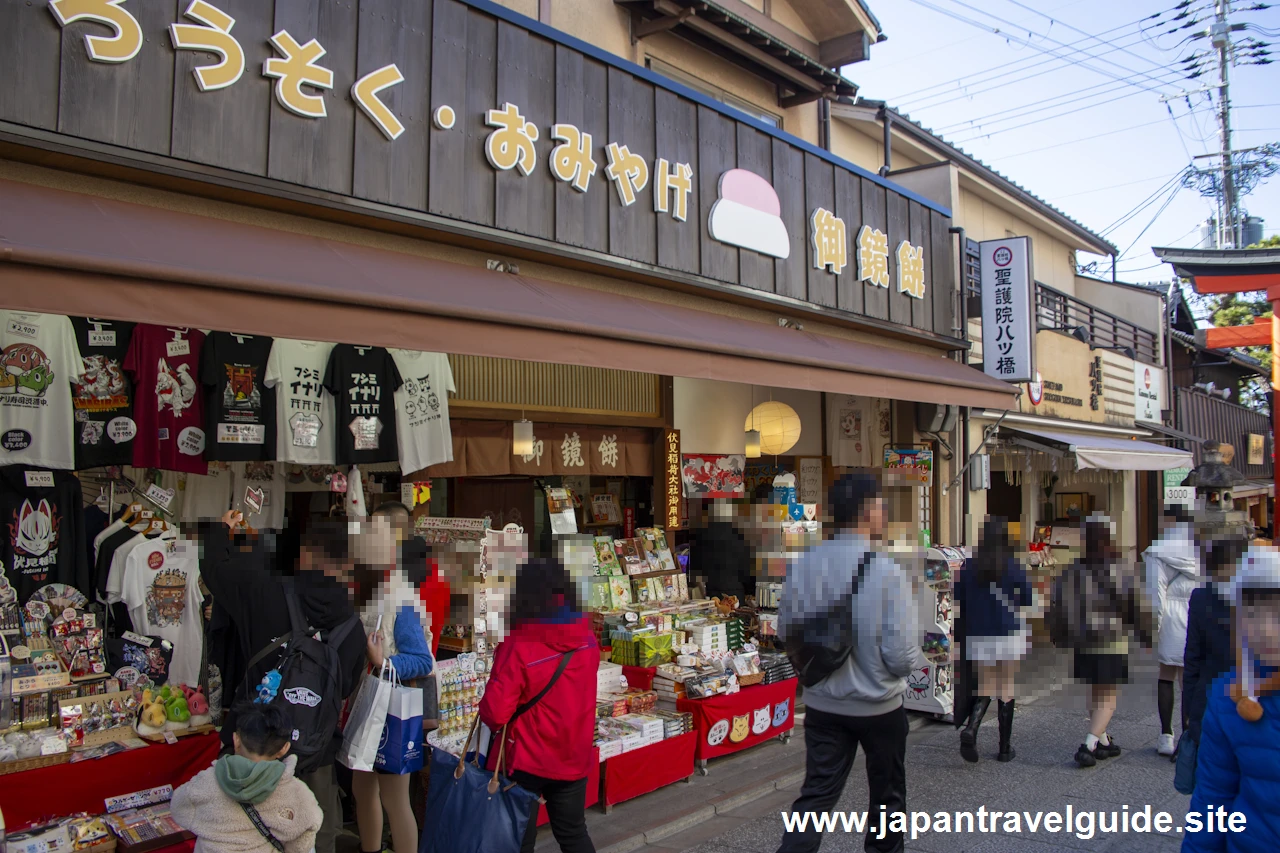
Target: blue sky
column 1086, row 131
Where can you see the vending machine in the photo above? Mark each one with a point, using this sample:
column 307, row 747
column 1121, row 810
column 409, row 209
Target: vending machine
column 929, row 689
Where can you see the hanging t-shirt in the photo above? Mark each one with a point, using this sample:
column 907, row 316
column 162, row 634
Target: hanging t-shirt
column 162, row 590
column 168, row 406
column 103, row 401
column 42, row 537
column 261, row 484
column 422, row 409
column 38, row 362
column 305, row 434
column 852, row 431
column 363, row 382
column 241, row 413
column 208, row 497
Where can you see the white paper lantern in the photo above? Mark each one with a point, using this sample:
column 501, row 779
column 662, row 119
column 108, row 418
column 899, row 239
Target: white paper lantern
column 522, row 438
column 779, row 427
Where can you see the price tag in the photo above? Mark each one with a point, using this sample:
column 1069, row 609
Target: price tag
column 39, row 479
column 100, row 338
column 177, row 348
column 158, row 496
column 26, row 330
column 254, row 499
column 170, row 738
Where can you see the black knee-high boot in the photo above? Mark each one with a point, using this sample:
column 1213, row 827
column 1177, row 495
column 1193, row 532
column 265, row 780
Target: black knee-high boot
column 1164, row 703
column 969, row 737
column 1004, row 712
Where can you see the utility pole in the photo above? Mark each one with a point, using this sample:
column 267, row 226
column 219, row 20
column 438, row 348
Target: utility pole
column 1229, row 224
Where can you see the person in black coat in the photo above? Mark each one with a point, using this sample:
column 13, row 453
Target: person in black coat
column 993, row 591
column 1209, row 651
column 243, row 580
column 721, row 555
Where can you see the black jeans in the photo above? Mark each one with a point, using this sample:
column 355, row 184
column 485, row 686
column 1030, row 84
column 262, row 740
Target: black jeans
column 831, row 742
column 566, row 807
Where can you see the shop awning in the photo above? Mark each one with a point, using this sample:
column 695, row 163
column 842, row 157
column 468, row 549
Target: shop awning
column 66, row 252
column 1170, row 432
column 1113, row 454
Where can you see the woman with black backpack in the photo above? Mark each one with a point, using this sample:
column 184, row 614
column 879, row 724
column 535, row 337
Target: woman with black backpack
column 992, row 591
column 1094, row 608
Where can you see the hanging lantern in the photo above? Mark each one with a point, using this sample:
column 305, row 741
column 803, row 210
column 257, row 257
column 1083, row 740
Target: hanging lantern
column 778, row 425
column 753, row 444
column 522, row 438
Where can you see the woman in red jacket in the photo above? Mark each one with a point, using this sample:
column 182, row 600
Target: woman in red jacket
column 548, row 743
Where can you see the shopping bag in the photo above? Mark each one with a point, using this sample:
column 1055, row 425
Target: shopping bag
column 1184, row 769
column 470, row 810
column 368, row 715
column 400, row 747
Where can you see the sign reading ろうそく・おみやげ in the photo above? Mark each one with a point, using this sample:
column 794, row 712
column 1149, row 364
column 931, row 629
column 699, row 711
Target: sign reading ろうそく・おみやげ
column 469, row 115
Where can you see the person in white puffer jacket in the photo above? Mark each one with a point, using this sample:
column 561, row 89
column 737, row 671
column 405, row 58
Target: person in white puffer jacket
column 1173, row 573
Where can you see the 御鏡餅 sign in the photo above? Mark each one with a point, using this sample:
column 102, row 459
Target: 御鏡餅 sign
column 1008, row 309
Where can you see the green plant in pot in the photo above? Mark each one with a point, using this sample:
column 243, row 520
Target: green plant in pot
column 1047, row 512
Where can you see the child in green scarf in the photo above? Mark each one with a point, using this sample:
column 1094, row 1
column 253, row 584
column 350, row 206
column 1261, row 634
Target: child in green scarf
column 251, row 802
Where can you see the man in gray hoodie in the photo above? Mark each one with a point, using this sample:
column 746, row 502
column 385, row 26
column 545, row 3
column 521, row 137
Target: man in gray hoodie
column 861, row 702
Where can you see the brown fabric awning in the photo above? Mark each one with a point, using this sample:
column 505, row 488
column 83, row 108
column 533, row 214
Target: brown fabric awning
column 483, row 449
column 161, row 266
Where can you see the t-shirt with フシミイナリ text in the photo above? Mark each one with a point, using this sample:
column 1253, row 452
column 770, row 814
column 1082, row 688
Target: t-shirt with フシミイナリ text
column 39, row 360
column 168, row 407
column 422, row 409
column 305, row 431
column 363, row 382
column 241, row 413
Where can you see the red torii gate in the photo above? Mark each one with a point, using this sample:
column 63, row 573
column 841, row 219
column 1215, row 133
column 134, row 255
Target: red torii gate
column 1220, row 271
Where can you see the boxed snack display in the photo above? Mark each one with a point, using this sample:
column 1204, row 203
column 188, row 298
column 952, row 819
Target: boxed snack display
column 606, row 559
column 609, row 678
column 631, row 556
column 653, row 544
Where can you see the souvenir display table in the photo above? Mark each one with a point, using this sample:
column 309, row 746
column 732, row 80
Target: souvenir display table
column 640, row 771
column 731, row 722
column 36, row 795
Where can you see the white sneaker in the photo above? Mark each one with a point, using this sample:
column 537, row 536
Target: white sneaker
column 1166, row 746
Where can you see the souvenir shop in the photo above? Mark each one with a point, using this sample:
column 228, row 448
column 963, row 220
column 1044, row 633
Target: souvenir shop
column 216, row 299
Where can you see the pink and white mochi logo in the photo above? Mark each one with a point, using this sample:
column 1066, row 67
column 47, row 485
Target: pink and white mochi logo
column 748, row 214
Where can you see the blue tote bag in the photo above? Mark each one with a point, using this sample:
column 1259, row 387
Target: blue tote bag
column 469, row 809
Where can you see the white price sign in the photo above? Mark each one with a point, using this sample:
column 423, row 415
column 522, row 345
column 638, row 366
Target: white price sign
column 1176, row 494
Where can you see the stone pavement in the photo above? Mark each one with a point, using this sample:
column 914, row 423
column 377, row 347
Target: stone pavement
column 737, row 807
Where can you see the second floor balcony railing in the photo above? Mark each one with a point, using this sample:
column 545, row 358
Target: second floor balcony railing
column 1057, row 310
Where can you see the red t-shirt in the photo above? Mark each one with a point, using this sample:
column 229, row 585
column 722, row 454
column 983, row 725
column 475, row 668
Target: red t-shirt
column 434, row 593
column 168, row 406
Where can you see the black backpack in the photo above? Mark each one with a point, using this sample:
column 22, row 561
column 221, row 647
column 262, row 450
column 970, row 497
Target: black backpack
column 310, row 678
column 821, row 644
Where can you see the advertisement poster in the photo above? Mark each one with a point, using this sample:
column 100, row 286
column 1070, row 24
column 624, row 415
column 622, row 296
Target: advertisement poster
column 915, row 463
column 714, row 475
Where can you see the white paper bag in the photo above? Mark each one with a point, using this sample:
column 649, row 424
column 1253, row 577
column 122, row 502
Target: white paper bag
column 363, row 731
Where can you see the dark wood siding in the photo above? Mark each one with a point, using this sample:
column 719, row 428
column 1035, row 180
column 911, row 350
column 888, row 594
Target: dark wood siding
column 395, row 171
column 470, row 59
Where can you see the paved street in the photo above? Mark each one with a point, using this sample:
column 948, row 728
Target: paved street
column 1044, row 777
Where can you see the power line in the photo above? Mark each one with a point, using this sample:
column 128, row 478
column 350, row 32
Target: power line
column 1030, row 44
column 1082, row 139
column 1147, row 228
column 1007, row 68
column 1072, row 111
column 1142, row 205
column 1057, row 198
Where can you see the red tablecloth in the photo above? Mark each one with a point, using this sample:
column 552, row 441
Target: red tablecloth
column 643, row 770
column 729, row 723
column 593, row 788
column 34, row 796
column 640, row 677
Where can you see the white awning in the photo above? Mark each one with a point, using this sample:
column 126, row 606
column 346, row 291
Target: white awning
column 1113, row 454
